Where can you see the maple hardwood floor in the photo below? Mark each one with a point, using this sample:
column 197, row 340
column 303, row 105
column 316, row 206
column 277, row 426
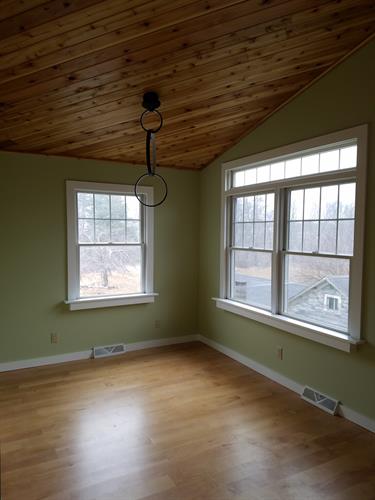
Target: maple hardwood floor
column 175, row 423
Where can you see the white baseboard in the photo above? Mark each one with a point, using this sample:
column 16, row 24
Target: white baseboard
column 74, row 356
column 344, row 411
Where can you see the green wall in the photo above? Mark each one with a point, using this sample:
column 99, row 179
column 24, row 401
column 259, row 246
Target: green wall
column 343, row 98
column 34, row 267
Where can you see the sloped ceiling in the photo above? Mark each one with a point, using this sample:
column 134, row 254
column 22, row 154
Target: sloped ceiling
column 72, row 73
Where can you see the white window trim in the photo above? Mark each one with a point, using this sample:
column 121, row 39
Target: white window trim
column 305, row 330
column 74, row 301
column 330, row 296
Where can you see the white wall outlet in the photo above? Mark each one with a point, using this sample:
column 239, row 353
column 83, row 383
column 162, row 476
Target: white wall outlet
column 157, row 323
column 54, row 338
column 280, row 352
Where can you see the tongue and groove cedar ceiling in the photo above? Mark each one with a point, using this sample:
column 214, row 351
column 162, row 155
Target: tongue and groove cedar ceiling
column 73, row 72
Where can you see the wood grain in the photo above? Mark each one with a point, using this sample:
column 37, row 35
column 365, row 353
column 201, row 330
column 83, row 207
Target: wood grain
column 176, row 423
column 72, row 73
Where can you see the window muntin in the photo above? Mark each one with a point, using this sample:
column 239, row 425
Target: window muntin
column 309, row 163
column 344, row 243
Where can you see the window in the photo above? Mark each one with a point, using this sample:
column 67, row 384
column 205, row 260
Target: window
column 292, row 223
column 110, row 245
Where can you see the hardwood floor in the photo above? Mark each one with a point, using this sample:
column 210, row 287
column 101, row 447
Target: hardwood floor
column 176, row 423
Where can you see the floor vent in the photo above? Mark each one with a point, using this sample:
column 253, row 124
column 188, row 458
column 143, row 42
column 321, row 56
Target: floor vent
column 320, row 400
column 108, row 350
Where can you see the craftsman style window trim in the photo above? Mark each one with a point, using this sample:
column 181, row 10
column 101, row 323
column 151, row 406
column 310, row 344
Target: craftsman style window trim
column 281, row 188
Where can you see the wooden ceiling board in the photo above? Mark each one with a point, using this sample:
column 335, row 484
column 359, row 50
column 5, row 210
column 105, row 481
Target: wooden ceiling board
column 73, row 72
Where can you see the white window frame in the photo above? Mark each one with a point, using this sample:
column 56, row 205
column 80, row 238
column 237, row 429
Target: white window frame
column 332, row 338
column 148, row 295
column 335, row 297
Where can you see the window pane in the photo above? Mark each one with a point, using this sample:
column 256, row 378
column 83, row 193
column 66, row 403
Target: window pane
column 117, row 206
column 250, row 176
column 293, row 168
column 312, row 197
column 251, row 281
column 263, row 174
column 269, row 235
column 238, row 235
column 133, row 232
column 270, row 206
column 260, row 207
column 118, row 231
column 345, row 237
column 310, row 164
column 259, row 234
column 108, row 270
column 85, row 230
column 239, row 179
column 348, row 157
column 329, row 202
column 248, row 235
column 101, row 206
column 310, row 236
column 347, row 201
column 85, row 202
column 296, row 205
column 308, row 280
column 249, row 208
column 132, row 208
column 329, row 160
column 238, row 210
column 327, row 241
column 295, row 236
column 277, row 170
column 102, row 231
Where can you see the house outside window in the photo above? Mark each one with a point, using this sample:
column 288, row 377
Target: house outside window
column 110, row 245
column 292, row 237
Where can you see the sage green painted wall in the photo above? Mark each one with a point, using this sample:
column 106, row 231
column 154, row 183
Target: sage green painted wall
column 34, row 267
column 342, row 99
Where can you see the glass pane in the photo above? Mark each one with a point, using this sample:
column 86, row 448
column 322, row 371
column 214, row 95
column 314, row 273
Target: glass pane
column 101, row 206
column 310, row 236
column 345, row 237
column 238, row 179
column 133, row 232
column 260, row 207
column 238, row 210
column 312, row 196
column 251, row 281
column 293, row 168
column 259, row 234
column 296, row 205
column 248, row 235
column 117, row 206
column 329, row 160
column 85, row 231
column 327, row 241
column 347, row 201
column 269, row 236
column 250, row 176
column 329, row 202
column 348, row 157
column 308, row 281
column 132, row 208
column 263, row 174
column 102, row 231
column 107, row 270
column 310, row 164
column 295, row 236
column 277, row 170
column 238, row 235
column 249, row 208
column 85, row 202
column 118, row 231
column 270, row 206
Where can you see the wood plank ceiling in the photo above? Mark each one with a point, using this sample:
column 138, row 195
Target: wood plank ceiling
column 73, row 72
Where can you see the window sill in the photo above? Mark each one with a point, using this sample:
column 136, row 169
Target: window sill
column 311, row 332
column 110, row 301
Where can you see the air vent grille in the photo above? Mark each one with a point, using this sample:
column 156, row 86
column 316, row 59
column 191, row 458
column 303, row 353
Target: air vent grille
column 108, row 350
column 320, row 400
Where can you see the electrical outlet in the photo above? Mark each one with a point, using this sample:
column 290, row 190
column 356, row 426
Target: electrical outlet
column 157, row 323
column 280, row 353
column 54, row 338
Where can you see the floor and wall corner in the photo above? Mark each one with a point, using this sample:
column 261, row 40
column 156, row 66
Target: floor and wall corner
column 187, row 227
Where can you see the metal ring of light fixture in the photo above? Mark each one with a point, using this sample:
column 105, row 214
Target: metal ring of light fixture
column 151, row 102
